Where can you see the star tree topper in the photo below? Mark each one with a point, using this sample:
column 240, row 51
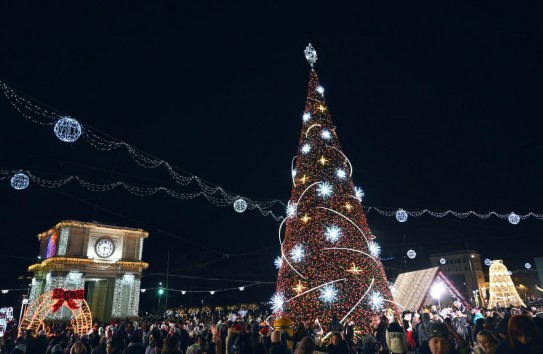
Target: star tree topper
column 310, row 54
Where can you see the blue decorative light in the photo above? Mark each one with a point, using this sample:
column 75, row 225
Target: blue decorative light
column 277, row 301
column 67, row 129
column 326, row 135
column 240, row 205
column 328, row 293
column 306, row 116
column 377, row 301
column 325, row 189
column 374, row 248
column 297, row 253
column 359, row 193
column 20, row 181
column 332, row 233
column 401, row 215
column 278, row 262
column 341, row 173
column 306, row 148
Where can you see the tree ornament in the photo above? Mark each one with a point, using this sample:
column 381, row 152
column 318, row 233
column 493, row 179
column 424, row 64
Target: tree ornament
column 359, row 193
column 326, row 135
column 67, row 129
column 442, row 261
column 377, row 301
column 332, row 233
column 277, row 301
column 291, row 209
column 325, row 189
column 328, row 293
column 306, row 116
column 411, row 254
column 240, row 205
column 374, row 248
column 320, row 90
column 341, row 173
column 310, row 54
column 297, row 253
column 306, row 148
column 20, row 181
column 278, row 262
column 401, row 215
column 513, row 218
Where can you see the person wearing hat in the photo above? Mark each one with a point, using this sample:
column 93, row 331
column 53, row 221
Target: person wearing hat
column 440, row 340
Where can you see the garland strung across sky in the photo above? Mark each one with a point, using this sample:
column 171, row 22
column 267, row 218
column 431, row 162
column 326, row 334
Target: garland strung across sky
column 68, row 129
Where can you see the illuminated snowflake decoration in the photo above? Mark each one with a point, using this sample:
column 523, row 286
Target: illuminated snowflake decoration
column 332, row 233
column 297, row 253
column 325, row 189
column 513, row 218
column 20, row 181
column 293, row 173
column 67, row 129
column 528, row 266
column 291, row 209
column 306, row 148
column 374, row 248
column 310, row 54
column 240, row 205
column 377, row 301
column 341, row 173
column 328, row 293
column 184, row 292
column 359, row 193
column 320, row 89
column 411, row 254
column 326, row 135
column 306, row 116
column 212, row 292
column 442, row 261
column 241, row 288
column 277, row 301
column 278, row 262
column 401, row 215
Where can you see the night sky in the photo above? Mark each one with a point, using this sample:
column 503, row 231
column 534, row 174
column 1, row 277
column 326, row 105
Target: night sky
column 437, row 106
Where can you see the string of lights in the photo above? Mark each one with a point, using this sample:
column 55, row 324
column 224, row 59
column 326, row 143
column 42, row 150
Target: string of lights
column 211, row 292
column 68, row 129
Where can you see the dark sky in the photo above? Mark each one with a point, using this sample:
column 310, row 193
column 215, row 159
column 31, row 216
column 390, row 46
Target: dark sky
column 437, row 106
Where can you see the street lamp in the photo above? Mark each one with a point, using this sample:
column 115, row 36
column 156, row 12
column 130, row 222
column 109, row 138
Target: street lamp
column 160, row 292
column 436, row 291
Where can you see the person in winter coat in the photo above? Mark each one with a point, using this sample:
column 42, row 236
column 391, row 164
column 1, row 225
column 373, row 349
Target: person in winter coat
column 338, row 346
column 486, row 343
column 396, row 338
column 423, row 331
column 522, row 337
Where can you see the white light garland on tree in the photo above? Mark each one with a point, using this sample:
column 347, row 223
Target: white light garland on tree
column 20, row 181
column 67, row 129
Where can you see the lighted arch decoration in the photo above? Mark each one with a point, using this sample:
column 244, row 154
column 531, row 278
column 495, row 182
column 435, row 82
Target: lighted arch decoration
column 50, row 302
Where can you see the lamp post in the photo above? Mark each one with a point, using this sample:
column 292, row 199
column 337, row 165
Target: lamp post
column 473, row 280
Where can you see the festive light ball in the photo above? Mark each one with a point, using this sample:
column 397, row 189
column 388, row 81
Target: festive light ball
column 442, row 261
column 528, row 265
column 401, row 215
column 488, row 262
column 67, row 129
column 20, row 181
column 513, row 218
column 411, row 254
column 240, row 205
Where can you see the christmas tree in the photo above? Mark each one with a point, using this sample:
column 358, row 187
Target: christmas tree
column 329, row 263
column 502, row 290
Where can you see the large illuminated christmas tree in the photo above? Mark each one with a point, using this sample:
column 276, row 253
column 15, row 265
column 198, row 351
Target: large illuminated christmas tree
column 329, row 261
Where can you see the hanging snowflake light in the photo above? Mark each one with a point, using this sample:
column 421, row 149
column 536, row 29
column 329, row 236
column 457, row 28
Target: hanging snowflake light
column 306, row 148
column 528, row 266
column 20, row 181
column 359, row 193
column 291, row 209
column 513, row 218
column 306, row 116
column 278, row 262
column 326, row 135
column 411, row 254
column 310, row 54
column 320, row 89
column 277, row 301
column 488, row 262
column 377, row 301
column 328, row 293
column 374, row 248
column 325, row 189
column 67, row 129
column 401, row 215
column 184, row 292
column 241, row 288
column 240, row 205
column 297, row 253
column 442, row 261
column 212, row 292
column 332, row 233
column 341, row 173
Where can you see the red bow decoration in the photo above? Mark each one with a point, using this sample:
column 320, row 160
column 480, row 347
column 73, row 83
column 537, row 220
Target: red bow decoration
column 67, row 296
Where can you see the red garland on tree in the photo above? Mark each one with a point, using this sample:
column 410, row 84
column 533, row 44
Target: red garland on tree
column 329, row 262
column 67, row 296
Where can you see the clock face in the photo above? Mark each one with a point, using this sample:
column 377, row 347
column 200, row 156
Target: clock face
column 104, row 247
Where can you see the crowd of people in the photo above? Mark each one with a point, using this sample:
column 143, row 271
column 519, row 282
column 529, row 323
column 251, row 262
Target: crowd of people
column 447, row 330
